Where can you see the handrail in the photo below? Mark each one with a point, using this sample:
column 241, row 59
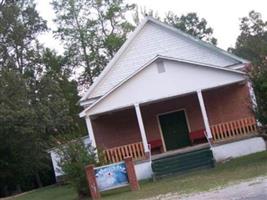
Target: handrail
column 117, row 154
column 234, row 129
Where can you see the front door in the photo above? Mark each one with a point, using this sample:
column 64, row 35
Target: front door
column 174, row 129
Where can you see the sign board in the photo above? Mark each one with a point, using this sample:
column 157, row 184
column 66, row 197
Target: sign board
column 111, row 176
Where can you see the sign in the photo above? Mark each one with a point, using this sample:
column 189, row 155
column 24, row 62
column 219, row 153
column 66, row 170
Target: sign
column 111, row 176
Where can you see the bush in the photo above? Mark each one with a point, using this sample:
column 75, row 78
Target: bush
column 258, row 76
column 74, row 156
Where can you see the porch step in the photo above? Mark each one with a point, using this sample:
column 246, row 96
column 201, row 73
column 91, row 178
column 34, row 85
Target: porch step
column 182, row 163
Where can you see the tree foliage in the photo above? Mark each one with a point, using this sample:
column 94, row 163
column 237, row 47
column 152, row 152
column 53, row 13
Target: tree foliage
column 19, row 26
column 192, row 25
column 92, row 31
column 252, row 41
column 258, row 76
column 74, row 156
column 252, row 45
column 56, row 98
column 189, row 23
column 37, row 98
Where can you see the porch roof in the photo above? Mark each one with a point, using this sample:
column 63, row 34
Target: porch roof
column 150, row 86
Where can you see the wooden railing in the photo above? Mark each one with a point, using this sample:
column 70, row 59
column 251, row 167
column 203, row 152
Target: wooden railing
column 116, row 154
column 234, row 129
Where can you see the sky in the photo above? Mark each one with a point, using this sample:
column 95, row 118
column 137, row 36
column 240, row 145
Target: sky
column 222, row 15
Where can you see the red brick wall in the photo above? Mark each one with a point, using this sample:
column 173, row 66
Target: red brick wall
column 222, row 104
column 116, row 129
column 188, row 102
column 227, row 103
column 120, row 128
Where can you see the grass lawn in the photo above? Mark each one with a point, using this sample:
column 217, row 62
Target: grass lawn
column 233, row 171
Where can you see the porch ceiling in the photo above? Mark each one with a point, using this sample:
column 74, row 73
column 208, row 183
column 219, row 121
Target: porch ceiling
column 152, row 84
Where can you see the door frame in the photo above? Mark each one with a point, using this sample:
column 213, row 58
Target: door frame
column 169, row 112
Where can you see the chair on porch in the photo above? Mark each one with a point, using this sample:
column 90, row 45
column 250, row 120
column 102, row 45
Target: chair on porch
column 156, row 145
column 197, row 137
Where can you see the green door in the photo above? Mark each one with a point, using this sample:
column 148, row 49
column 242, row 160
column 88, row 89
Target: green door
column 174, row 129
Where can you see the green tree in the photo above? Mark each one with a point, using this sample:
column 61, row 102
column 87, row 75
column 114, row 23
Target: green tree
column 57, row 97
column 252, row 45
column 252, row 41
column 258, row 75
column 22, row 150
column 192, row 25
column 37, row 99
column 74, row 157
column 20, row 25
column 21, row 147
column 92, row 31
column 189, row 23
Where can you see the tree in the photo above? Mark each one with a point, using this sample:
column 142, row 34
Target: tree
column 252, row 45
column 189, row 23
column 252, row 41
column 74, row 157
column 19, row 26
column 92, row 31
column 192, row 25
column 37, row 99
column 21, row 147
column 258, row 76
column 57, row 97
column 22, row 150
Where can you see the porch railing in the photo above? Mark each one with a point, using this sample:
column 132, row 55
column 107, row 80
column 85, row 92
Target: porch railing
column 117, row 154
column 234, row 129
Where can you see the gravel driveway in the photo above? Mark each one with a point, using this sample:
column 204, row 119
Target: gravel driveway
column 255, row 189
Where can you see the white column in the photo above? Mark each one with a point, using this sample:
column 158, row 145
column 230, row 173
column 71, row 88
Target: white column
column 204, row 114
column 141, row 127
column 90, row 131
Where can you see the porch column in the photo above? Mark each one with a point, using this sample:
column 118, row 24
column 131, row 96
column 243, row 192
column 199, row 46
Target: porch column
column 90, row 131
column 141, row 127
column 204, row 115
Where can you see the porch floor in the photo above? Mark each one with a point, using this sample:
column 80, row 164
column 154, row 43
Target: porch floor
column 180, row 151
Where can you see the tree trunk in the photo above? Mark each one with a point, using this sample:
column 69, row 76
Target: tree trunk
column 5, row 191
column 18, row 189
column 38, row 180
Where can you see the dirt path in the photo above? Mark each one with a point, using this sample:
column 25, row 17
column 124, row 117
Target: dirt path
column 255, row 189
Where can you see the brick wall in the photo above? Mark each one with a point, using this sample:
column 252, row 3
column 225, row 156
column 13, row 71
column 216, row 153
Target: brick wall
column 222, row 104
column 116, row 129
column 189, row 103
column 228, row 103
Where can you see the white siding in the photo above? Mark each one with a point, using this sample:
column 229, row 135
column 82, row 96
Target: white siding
column 155, row 40
column 148, row 84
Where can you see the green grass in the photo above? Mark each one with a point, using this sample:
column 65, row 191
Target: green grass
column 49, row 193
column 233, row 171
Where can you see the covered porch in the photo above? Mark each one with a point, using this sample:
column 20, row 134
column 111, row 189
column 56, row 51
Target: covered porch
column 176, row 124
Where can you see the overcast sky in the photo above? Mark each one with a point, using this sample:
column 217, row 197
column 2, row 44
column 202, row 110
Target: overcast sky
column 222, row 15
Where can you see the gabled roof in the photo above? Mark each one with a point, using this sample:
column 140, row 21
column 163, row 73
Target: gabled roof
column 158, row 57
column 108, row 68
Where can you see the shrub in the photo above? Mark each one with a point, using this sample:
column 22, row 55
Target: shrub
column 74, row 156
column 258, row 76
